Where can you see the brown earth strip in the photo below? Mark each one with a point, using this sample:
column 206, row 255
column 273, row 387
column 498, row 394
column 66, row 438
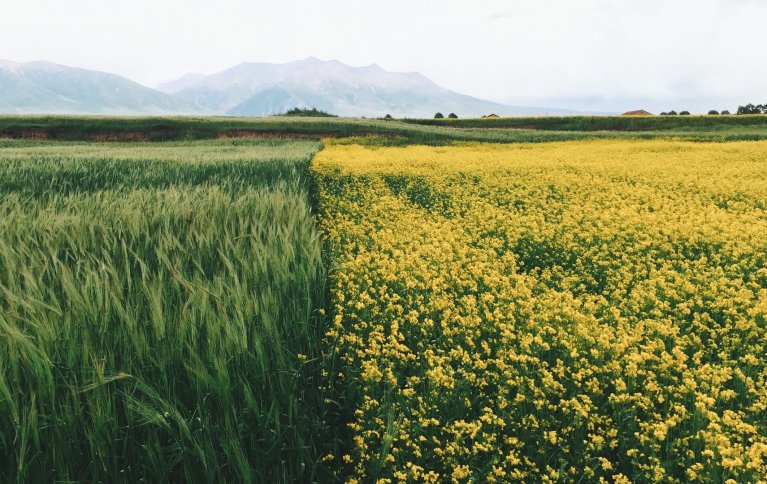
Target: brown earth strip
column 256, row 134
column 30, row 133
column 127, row 136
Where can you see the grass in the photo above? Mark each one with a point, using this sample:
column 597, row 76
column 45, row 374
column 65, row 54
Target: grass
column 158, row 313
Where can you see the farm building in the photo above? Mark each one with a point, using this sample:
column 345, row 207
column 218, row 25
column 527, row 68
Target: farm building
column 491, row 116
column 639, row 112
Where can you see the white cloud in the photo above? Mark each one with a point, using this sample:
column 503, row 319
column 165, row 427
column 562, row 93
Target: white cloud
column 597, row 54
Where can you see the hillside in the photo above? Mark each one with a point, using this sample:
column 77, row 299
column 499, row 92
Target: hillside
column 47, row 88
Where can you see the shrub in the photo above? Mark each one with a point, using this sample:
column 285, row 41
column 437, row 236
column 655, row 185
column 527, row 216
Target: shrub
column 452, row 116
column 684, row 113
column 439, row 116
column 713, row 112
column 313, row 112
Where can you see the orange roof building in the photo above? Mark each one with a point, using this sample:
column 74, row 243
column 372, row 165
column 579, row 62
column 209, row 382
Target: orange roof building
column 639, row 112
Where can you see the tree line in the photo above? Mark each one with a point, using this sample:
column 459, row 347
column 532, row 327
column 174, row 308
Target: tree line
column 747, row 109
column 753, row 109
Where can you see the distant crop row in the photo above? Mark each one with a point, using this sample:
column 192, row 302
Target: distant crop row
column 559, row 312
column 402, row 132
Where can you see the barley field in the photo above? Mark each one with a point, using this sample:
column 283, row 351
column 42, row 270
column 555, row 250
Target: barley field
column 158, row 312
column 579, row 311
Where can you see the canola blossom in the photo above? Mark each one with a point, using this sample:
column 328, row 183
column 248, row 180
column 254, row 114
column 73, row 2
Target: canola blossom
column 550, row 312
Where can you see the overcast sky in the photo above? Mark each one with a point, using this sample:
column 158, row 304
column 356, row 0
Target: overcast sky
column 609, row 55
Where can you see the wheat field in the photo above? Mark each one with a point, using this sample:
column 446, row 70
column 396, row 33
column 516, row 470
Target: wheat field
column 158, row 312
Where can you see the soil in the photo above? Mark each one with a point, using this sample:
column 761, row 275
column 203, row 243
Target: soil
column 255, row 134
column 127, row 136
column 27, row 133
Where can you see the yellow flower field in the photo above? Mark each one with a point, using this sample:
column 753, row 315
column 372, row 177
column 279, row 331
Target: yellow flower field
column 550, row 312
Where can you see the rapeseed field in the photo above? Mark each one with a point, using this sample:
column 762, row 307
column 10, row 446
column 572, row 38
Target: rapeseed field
column 575, row 311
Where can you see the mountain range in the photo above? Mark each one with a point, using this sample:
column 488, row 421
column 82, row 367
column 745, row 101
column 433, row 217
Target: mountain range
column 248, row 89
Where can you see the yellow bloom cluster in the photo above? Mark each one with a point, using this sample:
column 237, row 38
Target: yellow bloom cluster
column 563, row 311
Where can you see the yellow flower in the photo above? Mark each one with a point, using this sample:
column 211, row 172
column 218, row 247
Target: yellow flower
column 493, row 297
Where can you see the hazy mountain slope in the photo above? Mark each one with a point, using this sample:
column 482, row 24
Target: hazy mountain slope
column 275, row 100
column 43, row 87
column 225, row 90
column 257, row 89
column 187, row 80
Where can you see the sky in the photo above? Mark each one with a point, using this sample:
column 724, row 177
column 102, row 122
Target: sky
column 593, row 55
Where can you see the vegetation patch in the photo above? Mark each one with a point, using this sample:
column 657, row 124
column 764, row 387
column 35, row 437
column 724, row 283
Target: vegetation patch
column 311, row 113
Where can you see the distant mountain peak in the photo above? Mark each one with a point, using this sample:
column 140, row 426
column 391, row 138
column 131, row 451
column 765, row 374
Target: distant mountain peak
column 9, row 66
column 312, row 60
column 374, row 67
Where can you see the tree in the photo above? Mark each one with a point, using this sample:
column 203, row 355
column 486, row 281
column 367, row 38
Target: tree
column 388, row 116
column 672, row 113
column 751, row 109
column 438, row 116
column 713, row 112
column 684, row 113
column 452, row 116
column 725, row 112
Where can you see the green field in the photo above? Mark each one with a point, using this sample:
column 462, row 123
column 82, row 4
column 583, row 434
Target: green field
column 609, row 123
column 402, row 132
column 158, row 312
